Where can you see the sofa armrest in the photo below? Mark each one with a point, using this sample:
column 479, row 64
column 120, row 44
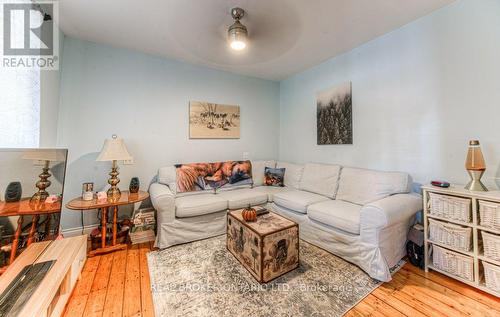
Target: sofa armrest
column 390, row 210
column 163, row 201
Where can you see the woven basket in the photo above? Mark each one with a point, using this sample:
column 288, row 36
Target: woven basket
column 492, row 276
column 450, row 207
column 453, row 262
column 449, row 234
column 489, row 214
column 491, row 245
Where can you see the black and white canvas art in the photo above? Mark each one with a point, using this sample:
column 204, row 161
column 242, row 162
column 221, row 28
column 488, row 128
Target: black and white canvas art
column 334, row 115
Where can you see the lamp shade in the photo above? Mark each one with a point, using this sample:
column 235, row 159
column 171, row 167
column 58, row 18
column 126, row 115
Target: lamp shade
column 45, row 155
column 114, row 149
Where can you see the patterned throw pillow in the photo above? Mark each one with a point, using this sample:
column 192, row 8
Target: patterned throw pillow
column 274, row 176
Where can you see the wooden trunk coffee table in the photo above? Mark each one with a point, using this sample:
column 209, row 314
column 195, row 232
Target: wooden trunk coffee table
column 267, row 248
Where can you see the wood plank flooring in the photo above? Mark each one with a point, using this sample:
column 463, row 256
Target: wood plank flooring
column 114, row 284
column 117, row 284
column 412, row 292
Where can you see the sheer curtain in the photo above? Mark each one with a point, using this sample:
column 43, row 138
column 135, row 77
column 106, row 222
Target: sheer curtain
column 19, row 101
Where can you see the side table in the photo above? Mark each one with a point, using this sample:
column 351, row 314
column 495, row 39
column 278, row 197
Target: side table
column 24, row 208
column 125, row 198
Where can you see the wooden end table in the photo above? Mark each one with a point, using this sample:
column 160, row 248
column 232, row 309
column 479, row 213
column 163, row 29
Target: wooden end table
column 24, row 208
column 125, row 198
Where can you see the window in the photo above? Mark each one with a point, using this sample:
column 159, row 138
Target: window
column 19, row 102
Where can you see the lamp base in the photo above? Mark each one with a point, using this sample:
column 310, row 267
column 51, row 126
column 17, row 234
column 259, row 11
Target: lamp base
column 42, row 184
column 475, row 183
column 39, row 197
column 114, row 192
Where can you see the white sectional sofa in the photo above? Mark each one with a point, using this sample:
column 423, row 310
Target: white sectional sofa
column 360, row 215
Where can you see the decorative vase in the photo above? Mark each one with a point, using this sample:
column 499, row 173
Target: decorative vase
column 249, row 214
column 134, row 185
column 475, row 166
column 13, row 192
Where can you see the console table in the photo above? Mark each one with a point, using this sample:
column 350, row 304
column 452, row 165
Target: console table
column 24, row 208
column 465, row 202
column 125, row 198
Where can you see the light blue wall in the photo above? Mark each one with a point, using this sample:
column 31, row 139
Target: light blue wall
column 49, row 101
column 420, row 93
column 144, row 100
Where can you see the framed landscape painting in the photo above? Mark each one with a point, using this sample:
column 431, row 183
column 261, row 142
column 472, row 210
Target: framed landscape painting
column 334, row 115
column 213, row 121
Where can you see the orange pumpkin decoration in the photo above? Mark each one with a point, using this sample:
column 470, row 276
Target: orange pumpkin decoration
column 249, row 214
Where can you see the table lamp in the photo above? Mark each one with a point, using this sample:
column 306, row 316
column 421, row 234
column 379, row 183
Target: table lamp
column 45, row 156
column 114, row 150
column 475, row 166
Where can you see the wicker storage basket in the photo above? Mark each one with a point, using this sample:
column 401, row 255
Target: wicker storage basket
column 453, row 262
column 450, row 207
column 492, row 276
column 489, row 214
column 491, row 245
column 449, row 234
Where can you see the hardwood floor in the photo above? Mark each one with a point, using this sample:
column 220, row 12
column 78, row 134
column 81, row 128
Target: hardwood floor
column 117, row 284
column 114, row 284
column 412, row 292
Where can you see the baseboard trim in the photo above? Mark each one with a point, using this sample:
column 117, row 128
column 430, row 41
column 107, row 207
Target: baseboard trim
column 73, row 232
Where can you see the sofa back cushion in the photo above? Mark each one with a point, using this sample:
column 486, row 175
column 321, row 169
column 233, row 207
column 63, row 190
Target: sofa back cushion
column 322, row 179
column 258, row 168
column 293, row 173
column 202, row 176
column 362, row 186
column 274, row 177
column 168, row 176
column 196, row 178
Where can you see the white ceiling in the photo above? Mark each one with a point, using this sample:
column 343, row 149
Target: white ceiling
column 286, row 36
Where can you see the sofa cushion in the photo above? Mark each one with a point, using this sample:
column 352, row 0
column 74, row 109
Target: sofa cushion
column 337, row 214
column 231, row 188
column 361, row 186
column 167, row 176
column 242, row 198
column 258, row 171
column 297, row 200
column 274, row 176
column 293, row 173
column 196, row 205
column 321, row 179
column 270, row 191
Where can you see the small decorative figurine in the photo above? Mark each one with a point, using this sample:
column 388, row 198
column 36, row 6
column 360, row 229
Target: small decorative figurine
column 102, row 195
column 134, row 185
column 51, row 199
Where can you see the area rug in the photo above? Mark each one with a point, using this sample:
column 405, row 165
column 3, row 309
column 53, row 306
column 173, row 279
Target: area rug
column 203, row 279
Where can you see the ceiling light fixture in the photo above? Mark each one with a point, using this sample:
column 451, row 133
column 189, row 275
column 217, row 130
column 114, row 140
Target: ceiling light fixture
column 237, row 33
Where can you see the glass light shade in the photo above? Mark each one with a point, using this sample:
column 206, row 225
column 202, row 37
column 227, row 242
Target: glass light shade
column 475, row 159
column 238, row 45
column 114, row 150
column 237, row 36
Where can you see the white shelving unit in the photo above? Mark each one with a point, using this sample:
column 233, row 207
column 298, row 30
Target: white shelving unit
column 477, row 250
